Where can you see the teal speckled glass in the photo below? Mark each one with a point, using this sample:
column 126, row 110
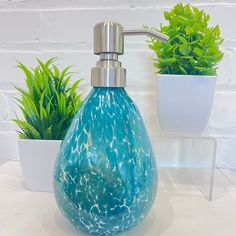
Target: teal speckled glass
column 105, row 175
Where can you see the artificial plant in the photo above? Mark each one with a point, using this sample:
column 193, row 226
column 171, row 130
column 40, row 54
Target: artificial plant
column 193, row 45
column 49, row 102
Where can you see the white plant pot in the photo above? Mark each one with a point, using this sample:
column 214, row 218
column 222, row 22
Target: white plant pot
column 37, row 159
column 184, row 102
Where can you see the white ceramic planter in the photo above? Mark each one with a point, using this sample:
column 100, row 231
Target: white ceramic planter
column 37, row 159
column 184, row 102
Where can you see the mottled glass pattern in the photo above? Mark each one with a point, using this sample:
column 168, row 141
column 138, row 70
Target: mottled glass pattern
column 105, row 176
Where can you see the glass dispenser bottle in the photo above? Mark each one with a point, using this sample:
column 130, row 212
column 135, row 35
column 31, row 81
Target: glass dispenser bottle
column 105, row 176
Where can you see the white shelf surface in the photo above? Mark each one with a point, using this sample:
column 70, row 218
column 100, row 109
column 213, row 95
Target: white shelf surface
column 180, row 209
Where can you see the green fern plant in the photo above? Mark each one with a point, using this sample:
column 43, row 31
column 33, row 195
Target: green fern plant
column 193, row 45
column 49, row 103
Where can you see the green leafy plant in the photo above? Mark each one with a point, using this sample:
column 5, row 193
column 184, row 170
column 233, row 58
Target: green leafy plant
column 193, row 46
column 49, row 103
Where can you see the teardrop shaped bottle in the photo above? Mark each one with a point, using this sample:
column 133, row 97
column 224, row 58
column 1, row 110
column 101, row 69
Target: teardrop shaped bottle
column 105, row 174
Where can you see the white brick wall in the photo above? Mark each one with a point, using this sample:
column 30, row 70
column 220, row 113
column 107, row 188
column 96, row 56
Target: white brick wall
column 63, row 28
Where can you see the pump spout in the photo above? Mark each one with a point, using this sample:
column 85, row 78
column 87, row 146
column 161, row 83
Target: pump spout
column 153, row 34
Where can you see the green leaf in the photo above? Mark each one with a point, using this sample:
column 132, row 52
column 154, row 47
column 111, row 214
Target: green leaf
column 74, row 87
column 49, row 133
column 198, row 52
column 167, row 15
column 44, row 68
column 50, row 61
column 189, row 29
column 28, row 129
column 22, row 91
column 167, row 61
column 185, row 49
column 64, row 73
column 183, row 71
column 28, row 74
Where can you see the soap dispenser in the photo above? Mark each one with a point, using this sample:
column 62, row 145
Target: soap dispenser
column 105, row 176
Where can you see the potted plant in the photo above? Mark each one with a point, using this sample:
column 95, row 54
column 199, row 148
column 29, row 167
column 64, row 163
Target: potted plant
column 186, row 67
column 48, row 105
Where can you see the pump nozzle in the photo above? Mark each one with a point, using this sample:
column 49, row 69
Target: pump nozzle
column 153, row 34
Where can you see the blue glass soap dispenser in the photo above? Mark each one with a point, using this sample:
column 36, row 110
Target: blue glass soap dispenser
column 105, row 175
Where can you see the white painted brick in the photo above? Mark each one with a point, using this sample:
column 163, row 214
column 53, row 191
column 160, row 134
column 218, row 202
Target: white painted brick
column 8, row 63
column 8, row 126
column 19, row 26
column 70, row 4
column 227, row 153
column 223, row 16
column 227, row 68
column 60, row 4
column 4, row 107
column 14, row 110
column 69, row 26
column 8, row 146
column 224, row 111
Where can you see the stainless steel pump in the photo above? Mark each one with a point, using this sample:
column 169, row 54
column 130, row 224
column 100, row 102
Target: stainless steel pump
column 109, row 43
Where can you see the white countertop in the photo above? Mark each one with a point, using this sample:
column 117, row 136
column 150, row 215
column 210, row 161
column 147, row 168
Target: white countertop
column 179, row 211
